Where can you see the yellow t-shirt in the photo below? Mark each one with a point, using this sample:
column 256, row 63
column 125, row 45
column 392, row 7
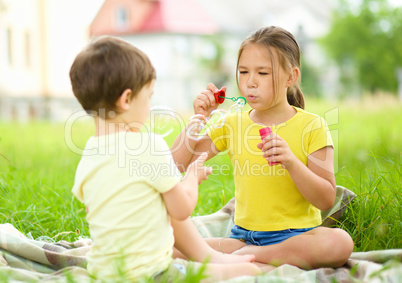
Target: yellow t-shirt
column 266, row 197
column 120, row 179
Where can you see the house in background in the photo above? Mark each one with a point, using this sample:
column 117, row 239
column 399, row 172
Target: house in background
column 190, row 43
column 38, row 42
column 173, row 33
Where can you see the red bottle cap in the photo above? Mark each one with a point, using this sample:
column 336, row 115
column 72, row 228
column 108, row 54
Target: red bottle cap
column 218, row 99
column 265, row 132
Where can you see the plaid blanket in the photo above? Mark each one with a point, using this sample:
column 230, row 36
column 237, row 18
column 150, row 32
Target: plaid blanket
column 26, row 260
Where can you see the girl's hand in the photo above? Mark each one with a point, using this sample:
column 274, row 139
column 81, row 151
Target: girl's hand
column 204, row 103
column 198, row 170
column 276, row 149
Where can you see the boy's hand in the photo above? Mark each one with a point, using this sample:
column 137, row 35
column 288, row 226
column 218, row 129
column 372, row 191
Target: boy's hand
column 182, row 198
column 204, row 103
column 198, row 170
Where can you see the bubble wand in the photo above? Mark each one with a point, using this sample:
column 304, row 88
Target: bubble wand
column 198, row 123
column 220, row 97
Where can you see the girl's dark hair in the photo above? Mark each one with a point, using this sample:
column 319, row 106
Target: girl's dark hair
column 288, row 54
column 104, row 70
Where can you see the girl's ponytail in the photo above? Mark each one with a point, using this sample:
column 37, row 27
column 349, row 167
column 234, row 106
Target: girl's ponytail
column 295, row 96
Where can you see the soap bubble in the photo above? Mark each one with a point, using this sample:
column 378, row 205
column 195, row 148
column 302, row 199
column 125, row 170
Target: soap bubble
column 161, row 120
column 195, row 127
column 217, row 118
column 198, row 124
column 238, row 106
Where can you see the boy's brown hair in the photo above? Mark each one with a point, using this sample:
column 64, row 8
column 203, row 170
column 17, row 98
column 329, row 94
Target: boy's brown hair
column 104, row 69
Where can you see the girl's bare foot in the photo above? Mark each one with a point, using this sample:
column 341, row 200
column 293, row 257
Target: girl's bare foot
column 264, row 267
column 218, row 272
column 214, row 256
column 218, row 257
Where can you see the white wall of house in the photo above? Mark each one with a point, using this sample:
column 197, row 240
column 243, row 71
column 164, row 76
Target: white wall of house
column 20, row 54
column 38, row 42
column 66, row 34
column 177, row 60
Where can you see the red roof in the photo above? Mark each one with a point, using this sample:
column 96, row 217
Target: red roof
column 172, row 16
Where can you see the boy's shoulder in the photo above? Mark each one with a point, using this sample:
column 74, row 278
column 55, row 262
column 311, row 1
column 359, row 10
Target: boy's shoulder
column 127, row 140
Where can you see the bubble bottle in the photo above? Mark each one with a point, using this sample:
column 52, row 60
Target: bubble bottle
column 263, row 133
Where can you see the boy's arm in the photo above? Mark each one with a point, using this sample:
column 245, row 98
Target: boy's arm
column 186, row 150
column 183, row 149
column 181, row 200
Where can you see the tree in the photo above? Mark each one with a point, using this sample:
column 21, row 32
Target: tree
column 366, row 43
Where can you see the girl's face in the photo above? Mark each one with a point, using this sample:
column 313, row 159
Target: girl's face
column 255, row 77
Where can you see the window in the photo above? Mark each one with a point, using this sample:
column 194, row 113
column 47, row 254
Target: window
column 122, row 18
column 27, row 39
column 9, row 46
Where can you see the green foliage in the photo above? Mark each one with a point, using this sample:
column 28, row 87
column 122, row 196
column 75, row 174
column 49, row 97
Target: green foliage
column 310, row 80
column 375, row 219
column 366, row 44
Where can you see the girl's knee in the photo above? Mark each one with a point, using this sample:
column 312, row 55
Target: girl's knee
column 333, row 247
column 341, row 245
column 343, row 239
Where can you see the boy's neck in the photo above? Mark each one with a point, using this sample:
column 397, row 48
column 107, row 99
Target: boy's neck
column 112, row 126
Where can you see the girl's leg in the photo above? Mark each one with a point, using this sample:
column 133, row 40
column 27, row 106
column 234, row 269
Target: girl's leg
column 213, row 272
column 320, row 247
column 190, row 245
column 228, row 246
column 219, row 272
column 225, row 245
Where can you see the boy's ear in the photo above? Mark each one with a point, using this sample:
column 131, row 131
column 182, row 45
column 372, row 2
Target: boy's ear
column 293, row 76
column 123, row 102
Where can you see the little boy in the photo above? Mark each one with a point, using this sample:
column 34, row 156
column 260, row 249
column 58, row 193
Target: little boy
column 128, row 180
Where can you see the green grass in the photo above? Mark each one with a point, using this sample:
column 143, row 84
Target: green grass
column 37, row 172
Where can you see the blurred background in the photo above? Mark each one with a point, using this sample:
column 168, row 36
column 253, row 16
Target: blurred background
column 350, row 48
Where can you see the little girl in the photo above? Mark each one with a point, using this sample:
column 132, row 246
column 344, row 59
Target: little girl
column 277, row 211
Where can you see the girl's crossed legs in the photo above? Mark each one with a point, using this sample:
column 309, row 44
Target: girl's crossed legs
column 319, row 247
column 190, row 245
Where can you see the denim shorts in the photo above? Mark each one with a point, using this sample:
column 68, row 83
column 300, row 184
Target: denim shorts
column 264, row 238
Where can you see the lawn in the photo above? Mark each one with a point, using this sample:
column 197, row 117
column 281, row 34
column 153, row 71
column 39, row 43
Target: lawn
column 38, row 162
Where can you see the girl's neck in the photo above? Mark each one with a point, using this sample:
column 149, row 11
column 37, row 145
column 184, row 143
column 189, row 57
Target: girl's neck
column 273, row 116
column 111, row 126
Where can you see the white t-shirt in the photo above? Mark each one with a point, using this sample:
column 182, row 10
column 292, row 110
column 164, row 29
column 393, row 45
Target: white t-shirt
column 120, row 179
